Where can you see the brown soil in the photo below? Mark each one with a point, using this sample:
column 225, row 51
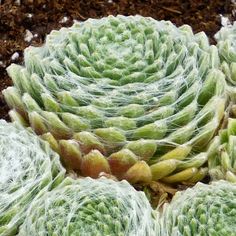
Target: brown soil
column 41, row 16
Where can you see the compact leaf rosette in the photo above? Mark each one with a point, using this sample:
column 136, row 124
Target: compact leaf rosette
column 128, row 96
column 226, row 43
column 222, row 153
column 204, row 210
column 27, row 166
column 88, row 207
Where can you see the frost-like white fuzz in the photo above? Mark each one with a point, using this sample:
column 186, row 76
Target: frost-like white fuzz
column 27, row 165
column 88, row 207
column 204, row 210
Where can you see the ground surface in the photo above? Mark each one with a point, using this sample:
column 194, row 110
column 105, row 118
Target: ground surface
column 23, row 23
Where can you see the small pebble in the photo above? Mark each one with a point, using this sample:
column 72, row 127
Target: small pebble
column 64, row 19
column 15, row 56
column 28, row 36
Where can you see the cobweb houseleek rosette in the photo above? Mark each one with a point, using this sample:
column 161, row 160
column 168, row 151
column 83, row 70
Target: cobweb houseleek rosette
column 204, row 210
column 88, row 207
column 226, row 38
column 123, row 94
column 222, row 155
column 27, row 166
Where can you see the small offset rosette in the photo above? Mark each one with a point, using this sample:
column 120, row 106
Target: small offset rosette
column 202, row 210
column 226, row 44
column 89, row 207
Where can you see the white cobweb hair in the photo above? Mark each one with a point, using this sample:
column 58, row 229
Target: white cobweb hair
column 27, row 165
column 205, row 209
column 88, row 207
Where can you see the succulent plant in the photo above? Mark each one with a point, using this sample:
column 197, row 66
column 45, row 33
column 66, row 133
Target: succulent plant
column 222, row 155
column 88, row 207
column 27, row 166
column 226, row 44
column 123, row 94
column 204, row 210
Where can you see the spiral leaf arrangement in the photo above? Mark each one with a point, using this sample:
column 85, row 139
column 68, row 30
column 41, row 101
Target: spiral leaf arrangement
column 88, row 207
column 129, row 96
column 202, row 210
column 27, row 166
